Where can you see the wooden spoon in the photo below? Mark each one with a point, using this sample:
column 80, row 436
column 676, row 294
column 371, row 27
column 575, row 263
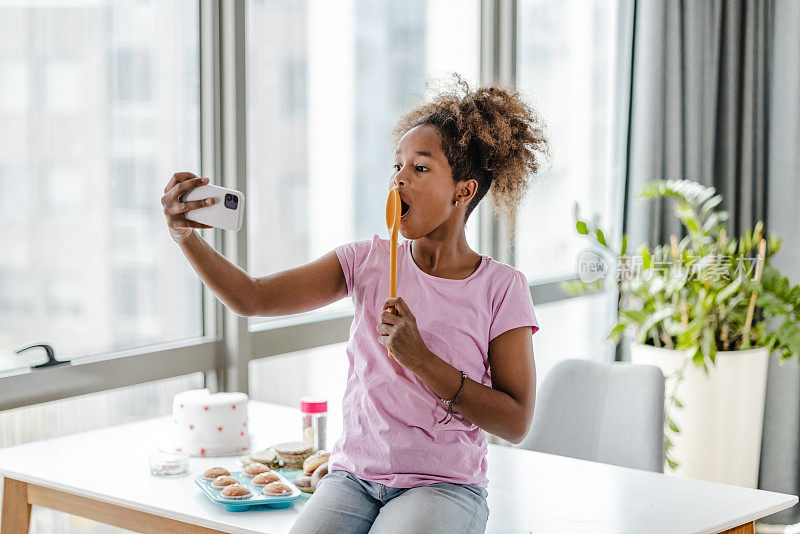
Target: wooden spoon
column 393, row 209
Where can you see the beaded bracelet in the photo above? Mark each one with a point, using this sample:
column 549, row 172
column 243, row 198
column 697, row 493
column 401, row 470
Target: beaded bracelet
column 454, row 400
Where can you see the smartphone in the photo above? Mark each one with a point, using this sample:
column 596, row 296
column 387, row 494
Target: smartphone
column 227, row 211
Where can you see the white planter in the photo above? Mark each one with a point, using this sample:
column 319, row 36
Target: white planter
column 721, row 421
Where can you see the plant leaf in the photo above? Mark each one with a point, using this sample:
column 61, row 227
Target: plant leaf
column 672, row 425
column 728, row 290
column 709, row 204
column 600, row 237
column 672, row 464
column 616, row 333
column 652, row 320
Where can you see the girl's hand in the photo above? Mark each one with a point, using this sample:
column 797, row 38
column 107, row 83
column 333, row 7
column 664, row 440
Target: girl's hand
column 175, row 211
column 399, row 333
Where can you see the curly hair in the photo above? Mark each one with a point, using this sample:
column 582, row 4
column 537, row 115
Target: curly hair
column 491, row 135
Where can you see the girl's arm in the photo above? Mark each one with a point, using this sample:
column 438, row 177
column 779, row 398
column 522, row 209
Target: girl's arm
column 506, row 408
column 299, row 289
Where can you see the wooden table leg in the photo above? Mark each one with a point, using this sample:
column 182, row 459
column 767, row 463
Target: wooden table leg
column 16, row 509
column 748, row 528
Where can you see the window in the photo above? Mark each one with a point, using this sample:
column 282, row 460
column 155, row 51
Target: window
column 15, row 202
column 132, row 184
column 317, row 372
column 132, row 75
column 78, row 166
column 567, row 68
column 571, row 58
column 300, row 375
column 64, row 87
column 295, row 210
column 63, row 297
column 573, row 328
column 15, row 291
column 126, row 291
column 65, row 194
column 13, row 86
column 353, row 68
column 295, row 86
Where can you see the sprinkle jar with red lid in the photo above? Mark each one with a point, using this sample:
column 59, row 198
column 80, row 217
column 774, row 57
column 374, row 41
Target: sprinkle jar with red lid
column 315, row 420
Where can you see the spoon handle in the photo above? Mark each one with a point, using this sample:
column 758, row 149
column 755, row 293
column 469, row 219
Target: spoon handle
column 392, row 278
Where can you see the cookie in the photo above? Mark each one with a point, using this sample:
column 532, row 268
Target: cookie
column 303, row 483
column 315, row 460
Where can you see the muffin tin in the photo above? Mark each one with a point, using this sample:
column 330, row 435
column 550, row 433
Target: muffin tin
column 256, row 499
column 291, row 474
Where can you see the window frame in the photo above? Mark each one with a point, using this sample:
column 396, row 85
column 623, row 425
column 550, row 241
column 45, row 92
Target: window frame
column 229, row 343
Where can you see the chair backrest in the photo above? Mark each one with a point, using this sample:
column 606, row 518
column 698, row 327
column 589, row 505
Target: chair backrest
column 601, row 411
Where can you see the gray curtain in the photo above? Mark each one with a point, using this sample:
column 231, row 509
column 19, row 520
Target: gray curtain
column 780, row 446
column 698, row 109
column 714, row 98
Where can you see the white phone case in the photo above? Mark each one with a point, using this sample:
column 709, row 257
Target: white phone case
column 217, row 214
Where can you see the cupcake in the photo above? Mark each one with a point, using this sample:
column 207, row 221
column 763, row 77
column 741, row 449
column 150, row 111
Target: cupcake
column 262, row 479
column 251, row 470
column 214, row 472
column 303, row 483
column 235, row 491
column 222, row 481
column 277, row 489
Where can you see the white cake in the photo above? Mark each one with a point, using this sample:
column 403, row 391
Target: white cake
column 208, row 424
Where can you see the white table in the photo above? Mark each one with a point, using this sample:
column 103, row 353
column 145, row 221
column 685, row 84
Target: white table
column 104, row 475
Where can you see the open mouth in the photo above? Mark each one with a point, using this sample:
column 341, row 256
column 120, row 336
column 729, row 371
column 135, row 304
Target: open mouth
column 403, row 208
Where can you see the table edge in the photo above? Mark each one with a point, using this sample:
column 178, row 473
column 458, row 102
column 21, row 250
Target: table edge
column 752, row 517
column 192, row 520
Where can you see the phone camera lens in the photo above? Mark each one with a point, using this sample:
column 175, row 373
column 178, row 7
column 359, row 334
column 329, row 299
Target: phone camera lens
column 231, row 201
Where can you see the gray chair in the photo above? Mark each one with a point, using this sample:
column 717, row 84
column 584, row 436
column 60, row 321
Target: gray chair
column 601, row 411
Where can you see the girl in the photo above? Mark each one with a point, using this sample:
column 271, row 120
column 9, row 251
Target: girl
column 412, row 454
column 408, row 461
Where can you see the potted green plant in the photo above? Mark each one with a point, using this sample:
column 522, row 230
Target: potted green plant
column 708, row 310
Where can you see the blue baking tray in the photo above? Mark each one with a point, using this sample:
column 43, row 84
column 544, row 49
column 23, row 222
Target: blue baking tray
column 257, row 499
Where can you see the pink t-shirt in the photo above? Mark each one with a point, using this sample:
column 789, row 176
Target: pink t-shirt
column 390, row 431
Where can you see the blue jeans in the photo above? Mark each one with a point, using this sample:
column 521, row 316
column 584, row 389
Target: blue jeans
column 346, row 504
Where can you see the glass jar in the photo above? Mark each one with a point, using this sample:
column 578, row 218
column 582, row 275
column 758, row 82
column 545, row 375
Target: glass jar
column 315, row 421
column 168, row 464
